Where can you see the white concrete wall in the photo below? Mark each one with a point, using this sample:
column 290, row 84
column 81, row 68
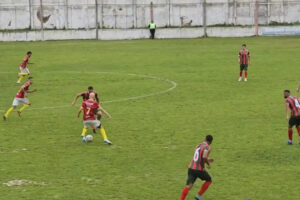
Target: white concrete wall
column 81, row 14
column 79, row 19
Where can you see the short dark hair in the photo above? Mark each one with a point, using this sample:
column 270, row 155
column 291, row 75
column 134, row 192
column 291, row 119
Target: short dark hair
column 287, row 91
column 30, row 77
column 90, row 88
column 29, row 52
column 209, row 138
column 244, row 45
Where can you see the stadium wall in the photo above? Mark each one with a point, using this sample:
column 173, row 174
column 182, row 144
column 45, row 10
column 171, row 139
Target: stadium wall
column 29, row 20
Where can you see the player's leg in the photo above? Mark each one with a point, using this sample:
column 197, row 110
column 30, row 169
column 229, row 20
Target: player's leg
column 84, row 130
column 241, row 72
column 206, row 177
column 292, row 122
column 98, row 114
column 246, row 73
column 14, row 106
column 189, row 184
column 26, row 103
column 102, row 131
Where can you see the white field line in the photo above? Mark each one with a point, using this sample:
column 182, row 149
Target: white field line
column 173, row 83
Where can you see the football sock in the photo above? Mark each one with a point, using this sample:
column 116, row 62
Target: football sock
column 20, row 78
column 84, row 130
column 298, row 129
column 185, row 192
column 290, row 134
column 204, row 187
column 9, row 111
column 246, row 74
column 103, row 133
column 24, row 107
column 241, row 74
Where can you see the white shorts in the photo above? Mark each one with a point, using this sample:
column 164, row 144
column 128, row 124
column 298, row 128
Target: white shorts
column 24, row 70
column 20, row 101
column 91, row 123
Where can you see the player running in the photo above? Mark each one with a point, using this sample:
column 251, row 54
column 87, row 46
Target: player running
column 85, row 95
column 90, row 108
column 292, row 114
column 197, row 169
column 21, row 99
column 24, row 71
column 244, row 60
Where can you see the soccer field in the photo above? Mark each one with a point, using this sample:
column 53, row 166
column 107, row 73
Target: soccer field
column 164, row 97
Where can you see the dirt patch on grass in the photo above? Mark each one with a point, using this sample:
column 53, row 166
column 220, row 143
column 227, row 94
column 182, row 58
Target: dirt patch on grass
column 24, row 182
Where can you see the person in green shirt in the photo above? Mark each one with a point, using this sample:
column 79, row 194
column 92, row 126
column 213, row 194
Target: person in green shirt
column 152, row 27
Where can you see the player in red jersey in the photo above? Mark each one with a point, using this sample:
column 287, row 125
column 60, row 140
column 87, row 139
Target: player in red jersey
column 292, row 114
column 244, row 60
column 85, row 96
column 90, row 108
column 24, row 71
column 197, row 169
column 21, row 99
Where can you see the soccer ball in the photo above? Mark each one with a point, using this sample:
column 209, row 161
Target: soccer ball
column 89, row 138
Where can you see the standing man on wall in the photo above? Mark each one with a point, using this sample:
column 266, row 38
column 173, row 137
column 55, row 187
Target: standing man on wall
column 152, row 27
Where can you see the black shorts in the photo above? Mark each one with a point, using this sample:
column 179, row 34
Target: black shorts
column 194, row 174
column 243, row 67
column 294, row 121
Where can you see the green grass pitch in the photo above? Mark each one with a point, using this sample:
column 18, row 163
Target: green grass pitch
column 153, row 137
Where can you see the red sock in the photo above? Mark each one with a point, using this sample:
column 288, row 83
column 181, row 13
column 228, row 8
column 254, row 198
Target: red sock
column 204, row 187
column 246, row 74
column 185, row 191
column 241, row 74
column 290, row 134
column 298, row 129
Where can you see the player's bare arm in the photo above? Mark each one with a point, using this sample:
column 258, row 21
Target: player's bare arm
column 79, row 112
column 105, row 112
column 288, row 111
column 249, row 60
column 76, row 97
column 31, row 91
column 206, row 159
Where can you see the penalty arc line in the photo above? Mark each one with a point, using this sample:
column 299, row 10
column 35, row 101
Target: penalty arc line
column 173, row 83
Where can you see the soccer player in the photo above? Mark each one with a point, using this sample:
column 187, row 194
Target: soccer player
column 197, row 169
column 244, row 60
column 292, row 114
column 21, row 99
column 85, row 95
column 90, row 107
column 24, row 71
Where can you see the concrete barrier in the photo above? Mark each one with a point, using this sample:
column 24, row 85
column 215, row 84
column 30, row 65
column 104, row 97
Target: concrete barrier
column 162, row 33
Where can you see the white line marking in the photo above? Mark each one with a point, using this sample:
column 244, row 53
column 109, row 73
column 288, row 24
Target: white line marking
column 173, row 83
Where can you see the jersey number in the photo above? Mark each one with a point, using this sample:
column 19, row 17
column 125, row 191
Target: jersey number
column 196, row 154
column 88, row 111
